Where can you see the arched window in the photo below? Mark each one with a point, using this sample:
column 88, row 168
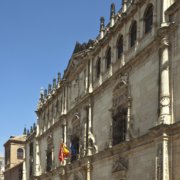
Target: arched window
column 148, row 18
column 120, row 46
column 98, row 68
column 108, row 58
column 20, row 153
column 133, row 34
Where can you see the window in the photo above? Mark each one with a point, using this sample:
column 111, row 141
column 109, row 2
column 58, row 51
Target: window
column 31, row 149
column 120, row 46
column 98, row 68
column 20, row 153
column 119, row 125
column 49, row 160
column 108, row 58
column 148, row 18
column 49, row 153
column 133, row 34
column 74, row 148
column 7, row 156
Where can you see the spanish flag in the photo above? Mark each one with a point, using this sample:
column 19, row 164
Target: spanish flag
column 63, row 152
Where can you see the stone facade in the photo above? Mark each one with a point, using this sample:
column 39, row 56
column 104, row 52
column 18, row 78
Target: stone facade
column 117, row 102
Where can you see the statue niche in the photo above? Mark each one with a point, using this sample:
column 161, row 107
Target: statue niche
column 119, row 113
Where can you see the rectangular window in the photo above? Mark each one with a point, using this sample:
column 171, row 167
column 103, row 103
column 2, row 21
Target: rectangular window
column 49, row 160
column 119, row 126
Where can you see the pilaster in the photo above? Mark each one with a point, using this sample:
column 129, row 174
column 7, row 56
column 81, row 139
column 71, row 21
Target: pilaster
column 162, row 158
column 164, row 103
column 85, row 137
column 102, row 27
column 112, row 15
column 90, row 75
column 89, row 148
column 124, row 6
column 128, row 119
column 165, row 5
column 88, row 170
column 37, row 160
column 65, row 132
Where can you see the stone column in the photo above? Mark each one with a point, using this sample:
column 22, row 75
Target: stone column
column 90, row 75
column 88, row 170
column 164, row 117
column 64, row 139
column 110, row 136
column 128, row 120
column 89, row 148
column 37, row 160
column 53, row 160
column 85, row 138
column 38, row 125
column 124, row 6
column 165, row 5
column 102, row 27
column 24, row 165
column 65, row 132
column 86, row 79
column 112, row 15
column 162, row 161
column 65, row 100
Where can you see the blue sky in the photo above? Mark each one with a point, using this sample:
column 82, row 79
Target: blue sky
column 37, row 38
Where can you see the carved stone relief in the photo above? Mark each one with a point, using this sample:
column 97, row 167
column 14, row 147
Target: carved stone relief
column 120, row 95
column 76, row 125
column 120, row 167
column 76, row 176
column 50, row 140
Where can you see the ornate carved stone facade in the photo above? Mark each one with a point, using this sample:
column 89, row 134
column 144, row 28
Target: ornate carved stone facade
column 117, row 103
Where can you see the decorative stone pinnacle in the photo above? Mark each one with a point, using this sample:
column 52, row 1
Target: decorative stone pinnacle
column 34, row 126
column 41, row 94
column 59, row 77
column 25, row 131
column 112, row 14
column 54, row 83
column 124, row 2
column 124, row 5
column 49, row 88
column 102, row 28
column 102, row 24
column 45, row 93
column 31, row 129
